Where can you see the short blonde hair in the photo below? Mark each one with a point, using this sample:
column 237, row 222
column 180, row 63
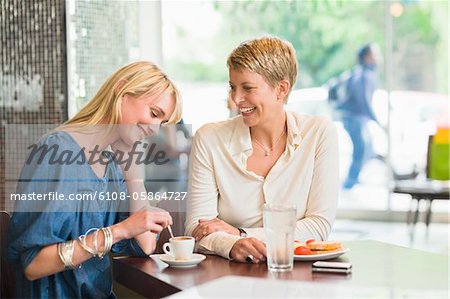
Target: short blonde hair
column 271, row 57
column 137, row 79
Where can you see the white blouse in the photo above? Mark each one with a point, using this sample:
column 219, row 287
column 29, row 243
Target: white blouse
column 220, row 185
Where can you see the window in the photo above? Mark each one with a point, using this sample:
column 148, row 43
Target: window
column 198, row 36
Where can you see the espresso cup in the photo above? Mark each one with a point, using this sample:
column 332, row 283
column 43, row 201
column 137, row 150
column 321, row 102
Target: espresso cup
column 180, row 248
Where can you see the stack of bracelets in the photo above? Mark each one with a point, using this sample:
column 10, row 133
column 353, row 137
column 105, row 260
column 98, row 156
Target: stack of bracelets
column 65, row 250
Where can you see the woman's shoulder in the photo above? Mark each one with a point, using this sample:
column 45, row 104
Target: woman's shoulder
column 313, row 126
column 53, row 144
column 57, row 138
column 310, row 121
column 220, row 128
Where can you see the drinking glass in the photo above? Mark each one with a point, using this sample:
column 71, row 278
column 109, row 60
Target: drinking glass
column 279, row 225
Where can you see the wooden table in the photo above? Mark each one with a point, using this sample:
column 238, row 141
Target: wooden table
column 375, row 265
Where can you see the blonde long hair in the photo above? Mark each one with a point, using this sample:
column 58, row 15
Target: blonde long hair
column 137, row 79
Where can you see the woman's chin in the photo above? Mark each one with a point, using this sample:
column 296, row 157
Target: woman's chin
column 131, row 140
column 250, row 122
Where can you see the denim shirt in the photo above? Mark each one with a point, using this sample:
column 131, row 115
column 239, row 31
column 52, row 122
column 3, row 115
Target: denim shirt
column 36, row 224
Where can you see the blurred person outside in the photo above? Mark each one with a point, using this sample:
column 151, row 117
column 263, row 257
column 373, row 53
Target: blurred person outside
column 355, row 111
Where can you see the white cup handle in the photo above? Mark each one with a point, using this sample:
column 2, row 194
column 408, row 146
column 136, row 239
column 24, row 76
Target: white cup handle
column 167, row 249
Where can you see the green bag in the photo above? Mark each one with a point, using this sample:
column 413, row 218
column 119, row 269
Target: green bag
column 439, row 161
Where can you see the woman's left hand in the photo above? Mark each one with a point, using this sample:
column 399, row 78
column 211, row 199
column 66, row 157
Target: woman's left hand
column 206, row 227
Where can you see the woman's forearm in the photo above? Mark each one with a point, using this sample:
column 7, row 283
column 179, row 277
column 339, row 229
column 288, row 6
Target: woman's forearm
column 313, row 227
column 147, row 242
column 135, row 185
column 47, row 261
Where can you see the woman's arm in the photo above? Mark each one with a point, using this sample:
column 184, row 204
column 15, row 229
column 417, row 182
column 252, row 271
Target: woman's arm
column 146, row 240
column 324, row 190
column 203, row 195
column 134, row 177
column 48, row 262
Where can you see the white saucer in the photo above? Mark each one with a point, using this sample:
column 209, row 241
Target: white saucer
column 194, row 261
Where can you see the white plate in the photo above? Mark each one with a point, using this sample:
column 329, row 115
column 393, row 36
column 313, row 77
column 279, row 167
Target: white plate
column 194, row 261
column 320, row 257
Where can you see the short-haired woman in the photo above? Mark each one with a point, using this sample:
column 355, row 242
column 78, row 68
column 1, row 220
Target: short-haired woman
column 264, row 155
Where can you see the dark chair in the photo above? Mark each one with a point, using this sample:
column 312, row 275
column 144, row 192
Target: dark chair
column 420, row 189
column 6, row 273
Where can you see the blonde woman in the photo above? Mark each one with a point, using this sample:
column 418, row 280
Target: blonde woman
column 59, row 247
column 264, row 155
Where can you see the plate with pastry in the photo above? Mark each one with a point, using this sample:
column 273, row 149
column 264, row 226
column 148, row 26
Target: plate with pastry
column 312, row 250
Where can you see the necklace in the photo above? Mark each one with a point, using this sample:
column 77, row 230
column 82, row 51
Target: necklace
column 267, row 149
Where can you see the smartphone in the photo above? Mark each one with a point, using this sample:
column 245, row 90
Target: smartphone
column 332, row 267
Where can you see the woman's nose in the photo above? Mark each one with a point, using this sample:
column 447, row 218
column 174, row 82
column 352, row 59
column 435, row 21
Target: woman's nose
column 237, row 98
column 152, row 128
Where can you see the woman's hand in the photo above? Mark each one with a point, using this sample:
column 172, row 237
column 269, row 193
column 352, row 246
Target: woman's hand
column 144, row 220
column 206, row 227
column 246, row 247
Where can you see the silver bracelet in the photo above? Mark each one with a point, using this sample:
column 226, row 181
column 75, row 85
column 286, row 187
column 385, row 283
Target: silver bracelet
column 65, row 252
column 108, row 241
column 82, row 241
column 95, row 242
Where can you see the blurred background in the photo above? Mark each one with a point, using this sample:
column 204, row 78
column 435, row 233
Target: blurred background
column 56, row 53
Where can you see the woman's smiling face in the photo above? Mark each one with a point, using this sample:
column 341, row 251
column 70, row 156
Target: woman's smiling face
column 255, row 98
column 142, row 116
